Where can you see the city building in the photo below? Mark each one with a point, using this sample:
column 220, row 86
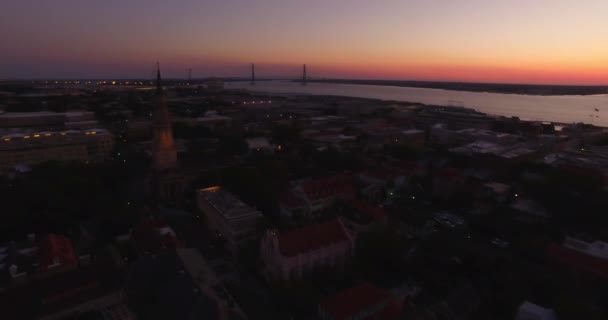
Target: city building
column 582, row 256
column 46, row 120
column 56, row 251
column 30, row 260
column 454, row 117
column 364, row 301
column 360, row 216
column 294, row 254
column 209, row 284
column 259, row 144
column 413, row 137
column 213, row 120
column 447, row 182
column 90, row 290
column 228, row 217
column 317, row 194
column 377, row 184
column 153, row 236
column 32, row 147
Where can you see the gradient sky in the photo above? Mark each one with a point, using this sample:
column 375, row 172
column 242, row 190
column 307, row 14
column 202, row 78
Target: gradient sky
column 531, row 41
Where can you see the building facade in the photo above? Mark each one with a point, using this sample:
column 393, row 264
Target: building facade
column 30, row 148
column 311, row 196
column 228, row 217
column 293, row 254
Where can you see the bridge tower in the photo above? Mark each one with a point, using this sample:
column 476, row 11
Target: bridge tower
column 253, row 74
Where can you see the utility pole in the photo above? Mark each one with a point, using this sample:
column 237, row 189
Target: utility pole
column 304, row 77
column 253, row 74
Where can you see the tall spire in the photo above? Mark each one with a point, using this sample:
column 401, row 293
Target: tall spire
column 164, row 153
column 159, row 88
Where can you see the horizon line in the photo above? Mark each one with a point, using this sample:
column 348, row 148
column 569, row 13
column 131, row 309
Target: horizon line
column 271, row 78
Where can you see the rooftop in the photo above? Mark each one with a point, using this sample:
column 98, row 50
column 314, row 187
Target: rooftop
column 372, row 212
column 579, row 260
column 412, row 131
column 258, row 143
column 311, row 237
column 348, row 304
column 56, row 250
column 229, row 206
column 497, row 187
column 328, row 186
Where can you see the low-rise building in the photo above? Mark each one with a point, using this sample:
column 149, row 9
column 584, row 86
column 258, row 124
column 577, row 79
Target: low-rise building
column 413, row 137
column 582, row 256
column 47, row 119
column 360, row 216
column 213, row 120
column 153, row 236
column 293, row 254
column 209, row 284
column 377, row 184
column 23, row 262
column 228, row 217
column 92, row 145
column 259, row 144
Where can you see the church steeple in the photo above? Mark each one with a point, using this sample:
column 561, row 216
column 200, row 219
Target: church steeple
column 164, row 152
column 159, row 88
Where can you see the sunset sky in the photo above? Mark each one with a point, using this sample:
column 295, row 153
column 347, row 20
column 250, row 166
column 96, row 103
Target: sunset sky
column 524, row 41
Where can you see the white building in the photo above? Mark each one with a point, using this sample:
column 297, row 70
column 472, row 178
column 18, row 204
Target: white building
column 229, row 217
column 292, row 254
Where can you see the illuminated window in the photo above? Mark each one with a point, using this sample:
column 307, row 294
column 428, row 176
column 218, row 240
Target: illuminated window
column 26, row 137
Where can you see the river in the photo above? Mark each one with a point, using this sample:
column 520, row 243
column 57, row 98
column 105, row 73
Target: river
column 565, row 109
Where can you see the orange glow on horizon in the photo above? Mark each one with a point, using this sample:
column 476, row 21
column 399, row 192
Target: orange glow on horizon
column 517, row 41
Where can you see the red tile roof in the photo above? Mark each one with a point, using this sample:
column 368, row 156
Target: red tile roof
column 149, row 236
column 56, row 246
column 338, row 185
column 579, row 260
column 311, row 237
column 375, row 213
column 351, row 302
